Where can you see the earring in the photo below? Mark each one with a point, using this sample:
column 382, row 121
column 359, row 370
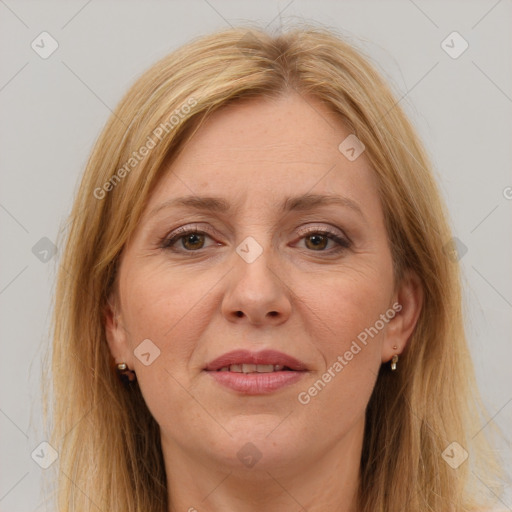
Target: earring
column 126, row 375
column 393, row 362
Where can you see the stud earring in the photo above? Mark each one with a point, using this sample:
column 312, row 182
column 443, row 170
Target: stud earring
column 126, row 375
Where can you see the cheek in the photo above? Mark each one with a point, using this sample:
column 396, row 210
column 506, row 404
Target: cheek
column 350, row 348
column 168, row 308
column 157, row 298
column 346, row 329
column 170, row 311
column 347, row 304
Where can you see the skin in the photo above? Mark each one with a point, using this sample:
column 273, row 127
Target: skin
column 299, row 297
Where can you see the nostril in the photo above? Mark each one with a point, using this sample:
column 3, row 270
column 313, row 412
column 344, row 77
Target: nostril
column 239, row 314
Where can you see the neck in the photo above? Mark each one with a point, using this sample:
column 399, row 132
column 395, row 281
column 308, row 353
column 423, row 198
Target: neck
column 305, row 481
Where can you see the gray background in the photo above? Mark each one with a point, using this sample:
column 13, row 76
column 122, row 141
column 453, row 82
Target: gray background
column 53, row 109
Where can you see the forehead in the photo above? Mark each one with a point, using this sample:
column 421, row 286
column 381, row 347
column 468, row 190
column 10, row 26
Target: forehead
column 263, row 149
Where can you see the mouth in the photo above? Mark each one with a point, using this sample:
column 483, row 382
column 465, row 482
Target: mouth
column 255, row 373
column 255, row 368
column 265, row 361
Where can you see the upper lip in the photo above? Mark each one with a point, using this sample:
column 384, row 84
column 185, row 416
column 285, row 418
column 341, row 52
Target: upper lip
column 263, row 357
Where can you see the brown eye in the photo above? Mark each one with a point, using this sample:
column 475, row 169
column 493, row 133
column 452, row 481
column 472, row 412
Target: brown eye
column 317, row 241
column 192, row 241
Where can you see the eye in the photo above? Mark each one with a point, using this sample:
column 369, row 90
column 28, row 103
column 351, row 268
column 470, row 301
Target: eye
column 191, row 240
column 317, row 240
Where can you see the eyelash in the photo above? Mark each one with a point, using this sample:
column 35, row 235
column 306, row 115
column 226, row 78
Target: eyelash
column 168, row 242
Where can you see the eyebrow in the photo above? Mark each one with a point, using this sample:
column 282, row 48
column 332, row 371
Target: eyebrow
column 304, row 202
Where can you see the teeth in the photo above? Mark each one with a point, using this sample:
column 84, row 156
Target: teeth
column 252, row 368
column 248, row 368
column 264, row 368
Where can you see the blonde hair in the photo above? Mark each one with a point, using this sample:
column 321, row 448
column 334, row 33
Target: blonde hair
column 108, row 442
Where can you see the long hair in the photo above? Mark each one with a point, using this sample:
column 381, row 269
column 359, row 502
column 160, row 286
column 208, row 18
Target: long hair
column 108, row 442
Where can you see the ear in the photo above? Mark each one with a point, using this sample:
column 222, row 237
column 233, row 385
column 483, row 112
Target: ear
column 407, row 303
column 116, row 333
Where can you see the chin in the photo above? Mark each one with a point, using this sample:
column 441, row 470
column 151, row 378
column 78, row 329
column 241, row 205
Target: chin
column 258, row 442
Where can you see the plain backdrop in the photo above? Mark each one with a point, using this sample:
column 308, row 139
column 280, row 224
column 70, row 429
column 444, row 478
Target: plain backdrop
column 52, row 110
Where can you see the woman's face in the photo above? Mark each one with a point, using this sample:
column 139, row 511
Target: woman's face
column 271, row 267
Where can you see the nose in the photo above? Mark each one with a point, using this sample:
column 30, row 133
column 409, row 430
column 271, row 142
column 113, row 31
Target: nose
column 256, row 293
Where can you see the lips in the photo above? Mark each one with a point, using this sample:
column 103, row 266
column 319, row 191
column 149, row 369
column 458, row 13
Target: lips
column 266, row 361
column 254, row 368
column 256, row 373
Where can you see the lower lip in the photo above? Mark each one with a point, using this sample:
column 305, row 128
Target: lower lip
column 256, row 383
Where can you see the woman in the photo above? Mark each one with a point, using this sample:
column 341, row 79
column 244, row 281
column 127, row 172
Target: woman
column 259, row 250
